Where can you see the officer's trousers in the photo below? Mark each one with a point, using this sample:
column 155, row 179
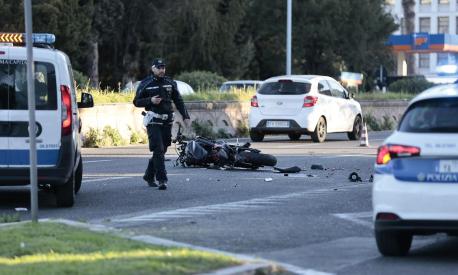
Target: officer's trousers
column 159, row 138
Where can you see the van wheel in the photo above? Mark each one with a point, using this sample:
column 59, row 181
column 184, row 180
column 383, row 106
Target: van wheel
column 256, row 137
column 319, row 135
column 393, row 243
column 79, row 176
column 355, row 134
column 65, row 193
column 294, row 136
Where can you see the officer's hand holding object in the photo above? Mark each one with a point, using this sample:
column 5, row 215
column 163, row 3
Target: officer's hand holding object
column 156, row 99
column 187, row 122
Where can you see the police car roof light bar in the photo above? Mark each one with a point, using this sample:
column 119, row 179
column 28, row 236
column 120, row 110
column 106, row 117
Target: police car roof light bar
column 37, row 38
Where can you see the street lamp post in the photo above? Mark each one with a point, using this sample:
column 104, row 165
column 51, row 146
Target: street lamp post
column 31, row 103
column 288, row 36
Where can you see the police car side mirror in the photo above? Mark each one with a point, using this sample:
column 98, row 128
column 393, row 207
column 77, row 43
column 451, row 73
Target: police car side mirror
column 86, row 101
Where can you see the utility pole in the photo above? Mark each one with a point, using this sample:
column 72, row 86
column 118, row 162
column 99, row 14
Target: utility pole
column 31, row 103
column 289, row 16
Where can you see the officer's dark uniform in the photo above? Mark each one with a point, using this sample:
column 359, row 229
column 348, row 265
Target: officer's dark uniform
column 160, row 129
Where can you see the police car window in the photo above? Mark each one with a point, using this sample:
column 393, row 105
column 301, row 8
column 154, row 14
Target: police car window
column 284, row 88
column 431, row 116
column 13, row 86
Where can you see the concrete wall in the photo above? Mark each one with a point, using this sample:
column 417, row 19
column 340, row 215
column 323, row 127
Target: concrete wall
column 225, row 115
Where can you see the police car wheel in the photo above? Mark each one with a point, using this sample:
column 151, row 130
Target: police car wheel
column 65, row 193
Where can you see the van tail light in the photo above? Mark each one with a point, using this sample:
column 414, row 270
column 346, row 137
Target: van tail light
column 387, row 217
column 66, row 110
column 254, row 102
column 310, row 101
column 386, row 153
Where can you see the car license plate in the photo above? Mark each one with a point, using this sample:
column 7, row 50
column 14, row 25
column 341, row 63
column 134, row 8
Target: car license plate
column 277, row 124
column 448, row 166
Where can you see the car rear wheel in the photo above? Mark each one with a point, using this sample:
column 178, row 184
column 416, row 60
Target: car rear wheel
column 294, row 136
column 319, row 135
column 393, row 243
column 79, row 176
column 256, row 137
column 65, row 193
column 355, row 134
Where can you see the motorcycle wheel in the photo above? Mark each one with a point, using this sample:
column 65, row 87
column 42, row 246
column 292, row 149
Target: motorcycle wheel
column 257, row 159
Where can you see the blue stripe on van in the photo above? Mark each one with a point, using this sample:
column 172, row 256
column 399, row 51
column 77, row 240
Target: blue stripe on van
column 21, row 157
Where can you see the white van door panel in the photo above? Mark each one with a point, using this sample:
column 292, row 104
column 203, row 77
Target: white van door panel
column 48, row 139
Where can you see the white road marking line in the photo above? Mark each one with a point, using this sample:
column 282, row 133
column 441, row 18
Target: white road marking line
column 358, row 218
column 105, row 179
column 252, row 204
column 92, row 161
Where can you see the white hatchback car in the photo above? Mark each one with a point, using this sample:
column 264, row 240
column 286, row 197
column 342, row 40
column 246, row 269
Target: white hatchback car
column 416, row 173
column 303, row 104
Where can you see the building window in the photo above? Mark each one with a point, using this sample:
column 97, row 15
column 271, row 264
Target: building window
column 425, row 24
column 424, row 60
column 425, row 2
column 442, row 58
column 443, row 2
column 442, row 24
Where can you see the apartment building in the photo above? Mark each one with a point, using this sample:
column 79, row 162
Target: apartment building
column 432, row 17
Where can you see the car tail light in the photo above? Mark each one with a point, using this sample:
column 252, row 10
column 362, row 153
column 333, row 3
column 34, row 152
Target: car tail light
column 66, row 110
column 387, row 217
column 310, row 101
column 388, row 152
column 2, row 52
column 254, row 102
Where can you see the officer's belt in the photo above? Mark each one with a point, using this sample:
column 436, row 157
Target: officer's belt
column 161, row 116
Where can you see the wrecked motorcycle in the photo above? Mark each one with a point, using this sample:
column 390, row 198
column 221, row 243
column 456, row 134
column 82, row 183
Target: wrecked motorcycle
column 205, row 152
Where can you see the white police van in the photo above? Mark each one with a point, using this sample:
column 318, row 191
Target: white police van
column 59, row 162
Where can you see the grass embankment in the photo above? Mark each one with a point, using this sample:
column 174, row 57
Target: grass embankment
column 52, row 248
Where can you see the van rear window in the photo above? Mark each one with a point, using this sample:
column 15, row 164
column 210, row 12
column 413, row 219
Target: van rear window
column 284, row 88
column 13, row 85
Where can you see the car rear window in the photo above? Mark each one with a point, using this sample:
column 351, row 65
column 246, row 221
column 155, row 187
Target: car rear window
column 284, row 88
column 13, row 85
column 431, row 116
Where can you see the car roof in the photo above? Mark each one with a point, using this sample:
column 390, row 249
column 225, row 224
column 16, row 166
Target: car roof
column 243, row 82
column 440, row 91
column 296, row 77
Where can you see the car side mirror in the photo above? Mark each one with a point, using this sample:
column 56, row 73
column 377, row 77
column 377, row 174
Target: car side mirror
column 86, row 101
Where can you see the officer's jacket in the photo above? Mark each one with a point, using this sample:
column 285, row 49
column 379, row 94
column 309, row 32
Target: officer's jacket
column 166, row 89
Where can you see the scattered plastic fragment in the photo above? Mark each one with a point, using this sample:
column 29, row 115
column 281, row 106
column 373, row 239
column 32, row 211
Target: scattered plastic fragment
column 317, row 167
column 293, row 169
column 268, row 179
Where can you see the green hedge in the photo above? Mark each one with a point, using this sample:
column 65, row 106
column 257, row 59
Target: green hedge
column 201, row 80
column 413, row 85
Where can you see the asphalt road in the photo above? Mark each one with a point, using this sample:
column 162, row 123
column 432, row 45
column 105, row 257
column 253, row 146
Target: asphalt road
column 316, row 219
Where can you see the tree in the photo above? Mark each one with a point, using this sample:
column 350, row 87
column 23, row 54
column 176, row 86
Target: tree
column 408, row 28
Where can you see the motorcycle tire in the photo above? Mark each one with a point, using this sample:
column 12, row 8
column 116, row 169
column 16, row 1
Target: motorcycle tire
column 257, row 159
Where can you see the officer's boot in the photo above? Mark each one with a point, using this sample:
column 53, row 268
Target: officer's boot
column 162, row 185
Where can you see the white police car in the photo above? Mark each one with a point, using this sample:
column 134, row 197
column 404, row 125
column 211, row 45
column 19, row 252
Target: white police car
column 58, row 126
column 416, row 173
column 303, row 104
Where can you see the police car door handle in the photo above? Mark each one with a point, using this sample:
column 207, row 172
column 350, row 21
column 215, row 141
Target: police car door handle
column 36, row 140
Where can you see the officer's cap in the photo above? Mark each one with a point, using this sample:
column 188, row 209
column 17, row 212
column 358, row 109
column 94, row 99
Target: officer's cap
column 158, row 62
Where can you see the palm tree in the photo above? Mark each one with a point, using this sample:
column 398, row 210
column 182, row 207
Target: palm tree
column 408, row 28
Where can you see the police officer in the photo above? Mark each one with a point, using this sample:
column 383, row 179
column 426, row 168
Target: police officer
column 156, row 93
